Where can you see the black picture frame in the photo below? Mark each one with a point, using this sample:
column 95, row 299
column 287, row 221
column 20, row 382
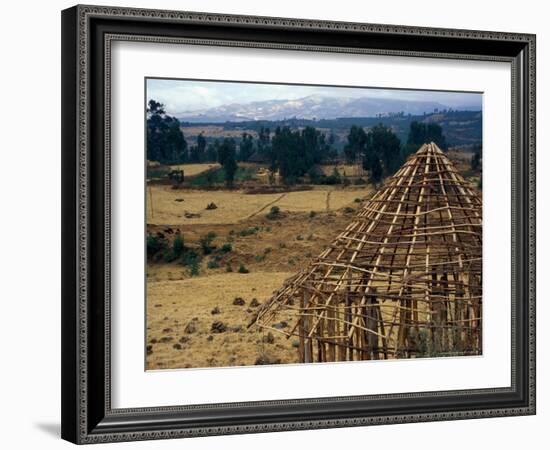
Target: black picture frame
column 87, row 416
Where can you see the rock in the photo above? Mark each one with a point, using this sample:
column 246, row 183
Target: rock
column 153, row 341
column 189, row 215
column 248, row 310
column 239, row 301
column 268, row 338
column 218, row 327
column 177, row 346
column 210, row 337
column 166, row 339
column 184, row 339
column 158, row 305
column 167, row 330
column 254, row 303
column 295, row 344
column 266, row 360
column 216, row 310
column 237, row 329
column 190, row 328
column 280, row 325
column 211, row 205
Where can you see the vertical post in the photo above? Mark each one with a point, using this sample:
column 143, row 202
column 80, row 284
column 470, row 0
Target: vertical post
column 458, row 338
column 348, row 319
column 331, row 353
column 301, row 332
column 308, row 348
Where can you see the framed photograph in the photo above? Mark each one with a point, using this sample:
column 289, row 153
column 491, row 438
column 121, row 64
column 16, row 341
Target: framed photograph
column 281, row 224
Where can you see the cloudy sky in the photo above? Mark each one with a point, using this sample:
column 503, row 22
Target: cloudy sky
column 180, row 96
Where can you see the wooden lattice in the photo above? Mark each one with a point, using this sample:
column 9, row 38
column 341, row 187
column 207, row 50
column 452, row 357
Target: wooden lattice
column 404, row 278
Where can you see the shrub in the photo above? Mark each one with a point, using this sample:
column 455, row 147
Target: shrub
column 243, row 269
column 194, row 268
column 348, row 210
column 155, row 244
column 312, row 214
column 206, row 243
column 259, row 258
column 177, row 249
column 189, row 257
column 225, row 248
column 214, row 263
column 274, row 213
column 248, row 231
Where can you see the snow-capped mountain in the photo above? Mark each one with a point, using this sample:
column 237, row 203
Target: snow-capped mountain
column 312, row 107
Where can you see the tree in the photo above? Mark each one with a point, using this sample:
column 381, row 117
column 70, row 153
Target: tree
column 212, row 151
column 286, row 149
column 198, row 153
column 264, row 142
column 165, row 141
column 226, row 157
column 383, row 145
column 246, row 147
column 477, row 157
column 331, row 152
column 422, row 133
column 372, row 163
column 356, row 143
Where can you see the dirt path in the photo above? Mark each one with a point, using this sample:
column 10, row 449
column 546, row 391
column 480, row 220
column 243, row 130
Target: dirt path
column 267, row 205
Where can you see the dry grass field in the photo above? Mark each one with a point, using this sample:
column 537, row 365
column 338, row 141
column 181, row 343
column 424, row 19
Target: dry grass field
column 349, row 170
column 181, row 315
column 169, row 206
column 191, row 320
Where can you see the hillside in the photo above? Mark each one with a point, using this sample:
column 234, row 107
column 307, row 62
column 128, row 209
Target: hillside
column 461, row 128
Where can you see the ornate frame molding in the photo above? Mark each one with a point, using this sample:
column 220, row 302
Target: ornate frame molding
column 80, row 423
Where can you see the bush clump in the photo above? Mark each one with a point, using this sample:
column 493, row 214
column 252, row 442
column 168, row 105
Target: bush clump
column 214, row 262
column 243, row 269
column 177, row 249
column 225, row 248
column 155, row 244
column 248, row 231
column 274, row 213
column 206, row 243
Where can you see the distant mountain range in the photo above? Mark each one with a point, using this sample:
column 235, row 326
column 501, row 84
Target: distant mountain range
column 312, row 107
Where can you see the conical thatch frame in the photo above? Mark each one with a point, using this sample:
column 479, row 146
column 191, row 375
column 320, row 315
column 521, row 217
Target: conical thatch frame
column 404, row 278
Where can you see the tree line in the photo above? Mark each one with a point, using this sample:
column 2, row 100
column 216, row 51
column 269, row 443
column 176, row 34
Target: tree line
column 290, row 152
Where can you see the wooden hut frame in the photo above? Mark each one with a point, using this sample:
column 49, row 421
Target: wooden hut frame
column 404, row 278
